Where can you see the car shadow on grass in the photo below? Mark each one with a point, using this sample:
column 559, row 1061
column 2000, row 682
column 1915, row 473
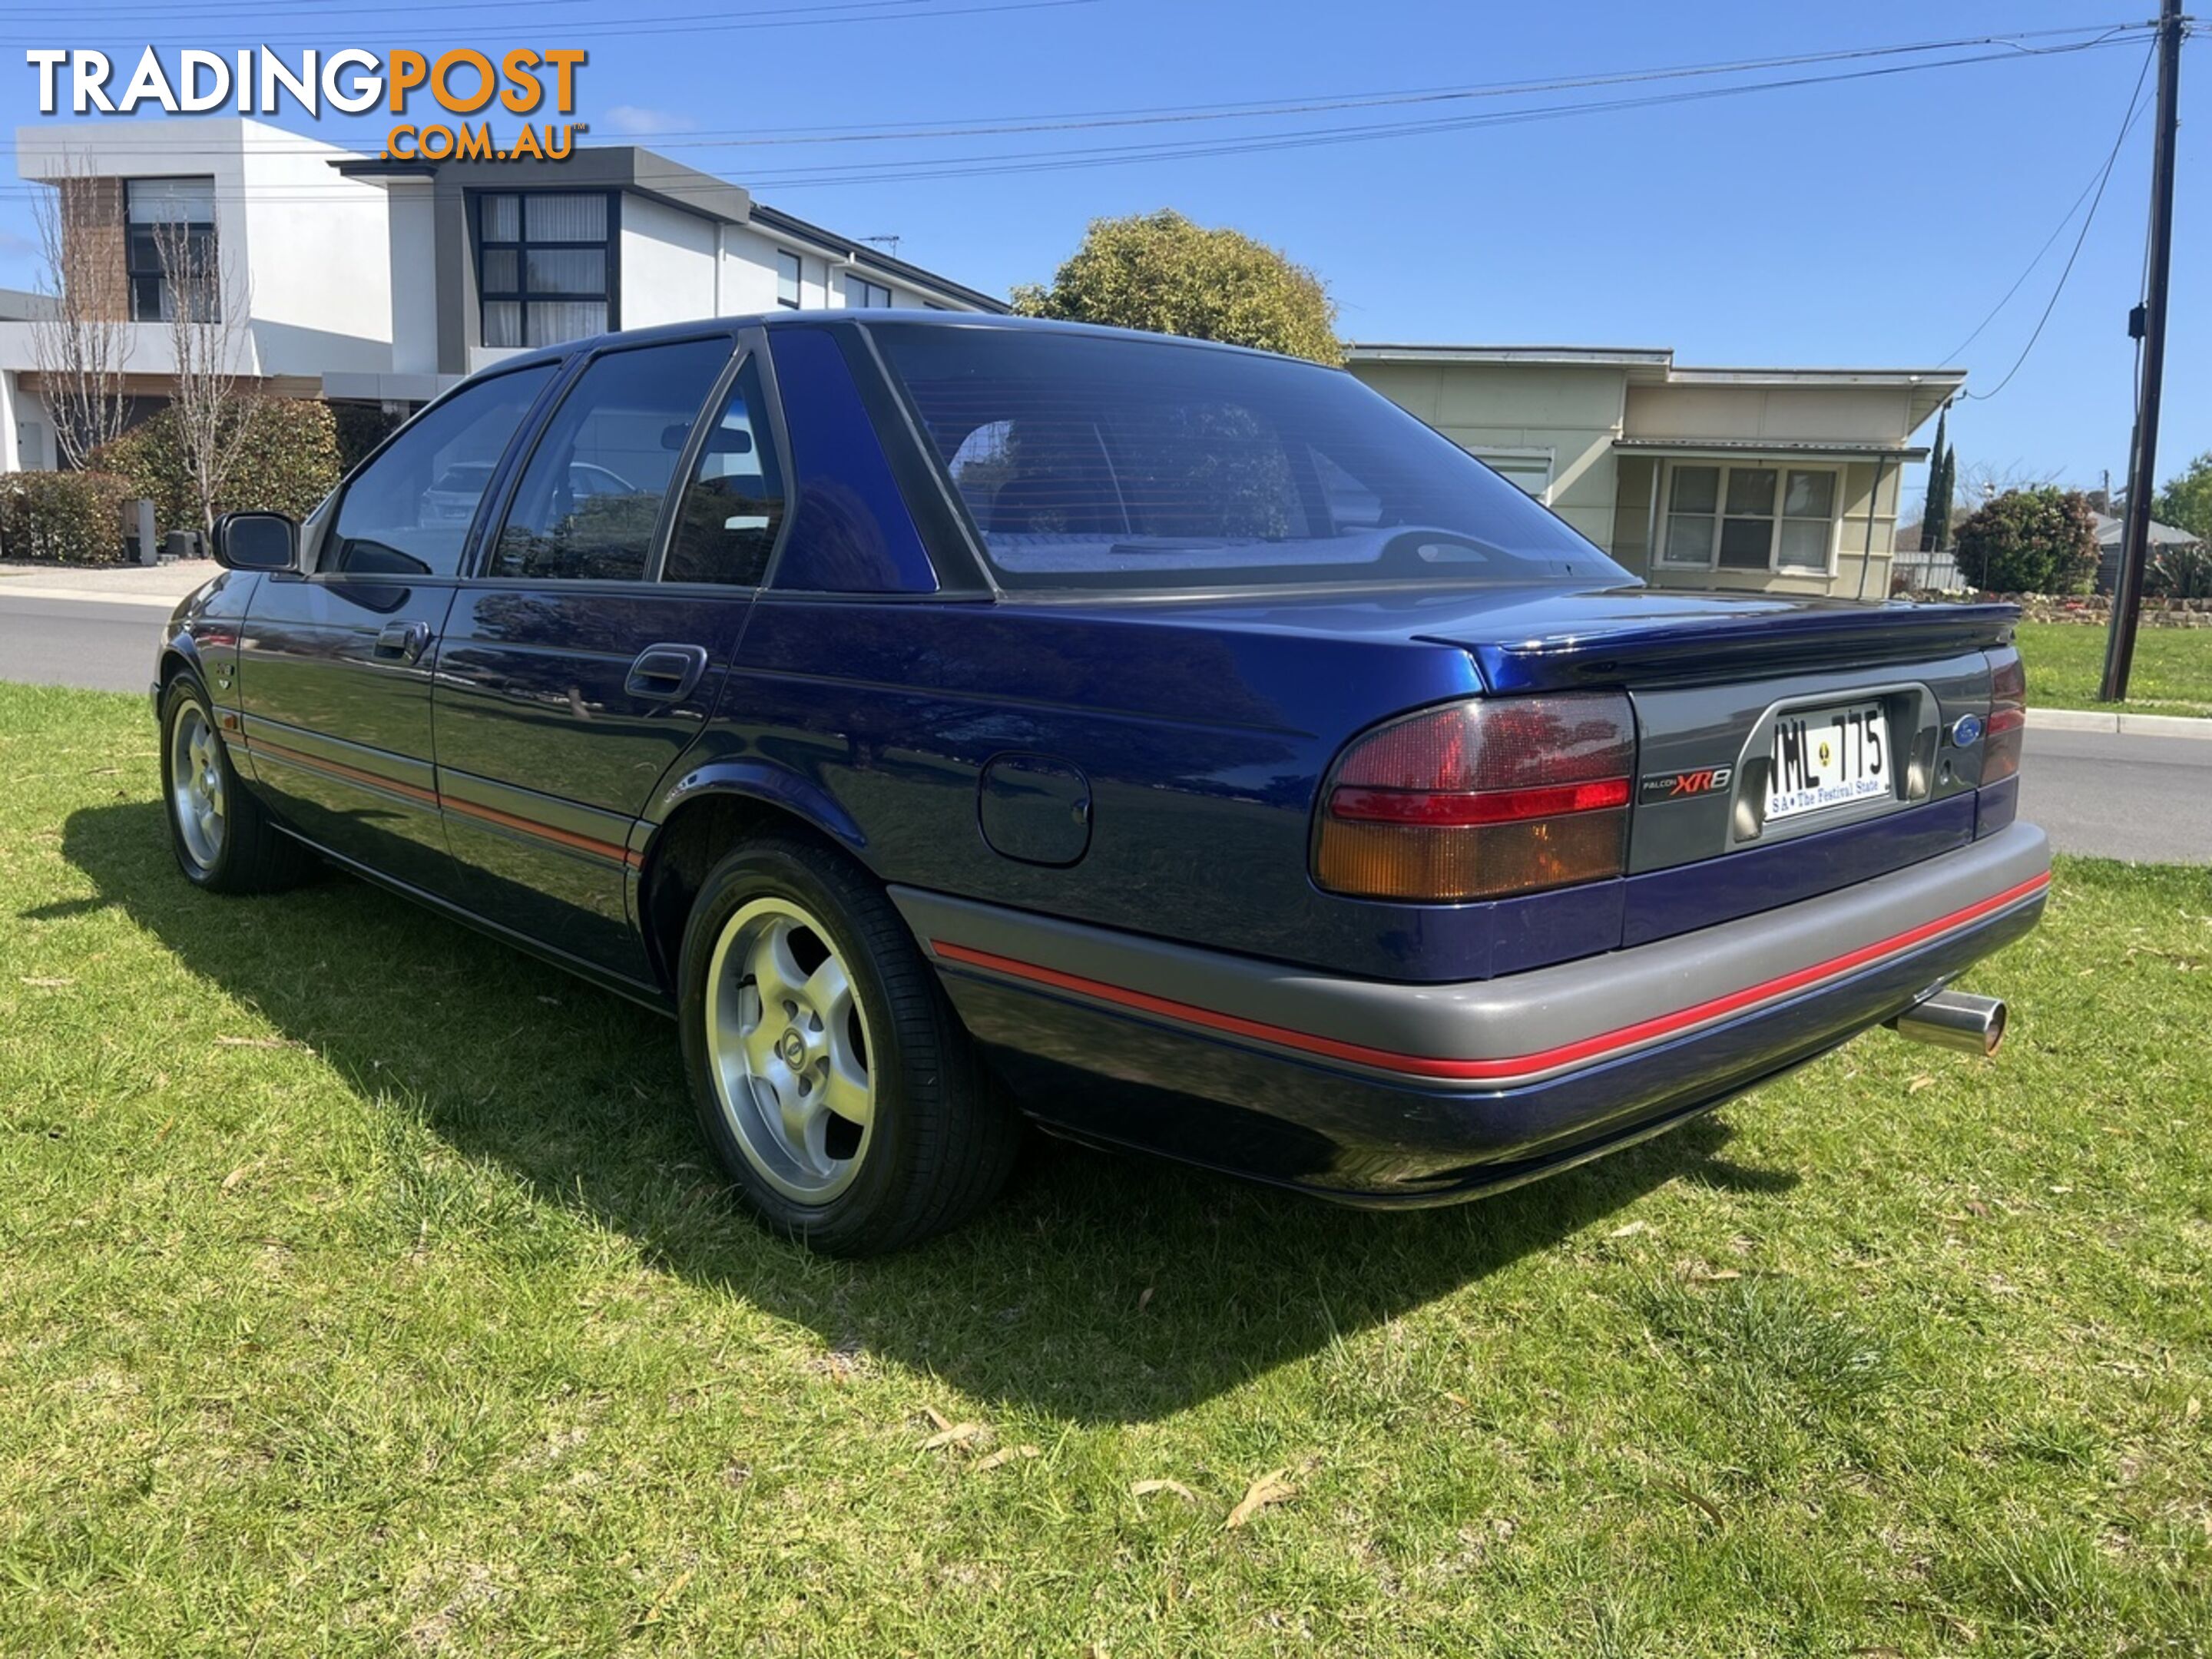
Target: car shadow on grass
column 1101, row 1289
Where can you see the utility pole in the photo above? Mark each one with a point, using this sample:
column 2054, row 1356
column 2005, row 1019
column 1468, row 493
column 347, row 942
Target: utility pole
column 2148, row 324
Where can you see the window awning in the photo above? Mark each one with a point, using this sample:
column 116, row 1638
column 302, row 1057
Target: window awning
column 1781, row 449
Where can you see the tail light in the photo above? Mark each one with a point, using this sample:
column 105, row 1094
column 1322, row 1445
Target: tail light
column 1481, row 799
column 2008, row 722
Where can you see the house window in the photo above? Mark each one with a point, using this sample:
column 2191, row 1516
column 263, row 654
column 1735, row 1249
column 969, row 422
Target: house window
column 165, row 216
column 544, row 266
column 860, row 292
column 790, row 271
column 1528, row 471
column 1750, row 518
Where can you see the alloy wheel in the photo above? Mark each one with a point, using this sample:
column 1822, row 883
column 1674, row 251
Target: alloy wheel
column 787, row 1043
column 197, row 799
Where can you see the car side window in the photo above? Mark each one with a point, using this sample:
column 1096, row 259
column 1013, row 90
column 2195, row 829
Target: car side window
column 727, row 523
column 408, row 512
column 590, row 499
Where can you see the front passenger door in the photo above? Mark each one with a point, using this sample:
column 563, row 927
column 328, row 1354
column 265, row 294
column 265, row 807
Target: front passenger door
column 336, row 665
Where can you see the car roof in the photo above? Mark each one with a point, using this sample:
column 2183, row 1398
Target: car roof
column 785, row 317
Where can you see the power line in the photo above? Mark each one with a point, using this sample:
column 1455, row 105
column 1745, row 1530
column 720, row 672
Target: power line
column 2087, row 219
column 2102, row 34
column 1368, row 100
column 1110, row 156
column 1062, row 159
column 81, row 16
column 689, row 23
column 2096, row 180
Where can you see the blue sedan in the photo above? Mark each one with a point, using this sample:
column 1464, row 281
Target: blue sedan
column 954, row 722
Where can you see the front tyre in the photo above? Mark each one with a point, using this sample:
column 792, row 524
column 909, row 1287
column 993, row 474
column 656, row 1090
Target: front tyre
column 832, row 1077
column 223, row 836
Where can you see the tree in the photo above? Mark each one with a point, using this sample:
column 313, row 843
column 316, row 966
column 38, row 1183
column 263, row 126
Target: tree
column 1982, row 481
column 215, row 408
column 1950, row 493
column 1162, row 272
column 2186, row 501
column 1935, row 515
column 81, row 340
column 2029, row 541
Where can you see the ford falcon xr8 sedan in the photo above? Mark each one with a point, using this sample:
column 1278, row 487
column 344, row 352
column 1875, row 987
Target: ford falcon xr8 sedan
column 957, row 721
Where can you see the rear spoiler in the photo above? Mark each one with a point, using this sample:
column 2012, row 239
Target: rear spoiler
column 1688, row 649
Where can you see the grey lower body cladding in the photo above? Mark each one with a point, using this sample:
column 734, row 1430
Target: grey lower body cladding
column 1380, row 1092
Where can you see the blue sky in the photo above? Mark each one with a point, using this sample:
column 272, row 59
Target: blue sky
column 1867, row 222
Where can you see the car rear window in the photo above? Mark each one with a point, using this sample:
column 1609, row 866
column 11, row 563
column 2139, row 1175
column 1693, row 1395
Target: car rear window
column 1097, row 461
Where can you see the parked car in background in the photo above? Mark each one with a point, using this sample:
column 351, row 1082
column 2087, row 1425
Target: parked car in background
column 453, row 498
column 953, row 721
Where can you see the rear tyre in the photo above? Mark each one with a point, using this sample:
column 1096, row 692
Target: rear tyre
column 832, row 1080
column 224, row 839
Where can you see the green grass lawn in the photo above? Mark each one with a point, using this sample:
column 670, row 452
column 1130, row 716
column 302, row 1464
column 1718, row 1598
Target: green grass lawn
column 362, row 1290
column 2172, row 671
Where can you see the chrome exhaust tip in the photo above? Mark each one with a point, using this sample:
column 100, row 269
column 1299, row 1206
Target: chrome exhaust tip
column 1953, row 1019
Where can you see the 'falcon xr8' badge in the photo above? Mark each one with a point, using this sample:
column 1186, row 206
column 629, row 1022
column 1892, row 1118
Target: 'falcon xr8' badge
column 1684, row 786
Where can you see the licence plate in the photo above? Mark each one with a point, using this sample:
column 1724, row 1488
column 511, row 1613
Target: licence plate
column 1825, row 757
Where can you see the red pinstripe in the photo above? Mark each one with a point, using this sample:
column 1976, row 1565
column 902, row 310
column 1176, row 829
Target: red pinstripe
column 1463, row 1070
column 606, row 849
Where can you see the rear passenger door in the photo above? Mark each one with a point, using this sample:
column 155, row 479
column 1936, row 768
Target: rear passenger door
column 336, row 665
column 590, row 647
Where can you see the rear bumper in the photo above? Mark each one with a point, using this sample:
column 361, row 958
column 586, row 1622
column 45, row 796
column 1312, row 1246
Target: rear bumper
column 1391, row 1093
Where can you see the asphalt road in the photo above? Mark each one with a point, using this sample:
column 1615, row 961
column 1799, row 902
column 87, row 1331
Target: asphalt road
column 2144, row 799
column 90, row 642
column 2148, row 799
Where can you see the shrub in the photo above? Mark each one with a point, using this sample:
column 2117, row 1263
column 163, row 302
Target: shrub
column 287, row 462
column 2180, row 573
column 64, row 517
column 2029, row 541
column 360, row 427
column 2186, row 501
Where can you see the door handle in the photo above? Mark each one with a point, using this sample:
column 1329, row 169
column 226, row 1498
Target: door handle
column 403, row 642
column 667, row 672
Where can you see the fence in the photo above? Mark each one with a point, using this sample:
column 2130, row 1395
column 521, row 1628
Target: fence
column 1925, row 573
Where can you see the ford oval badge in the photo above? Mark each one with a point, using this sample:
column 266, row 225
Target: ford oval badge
column 1968, row 731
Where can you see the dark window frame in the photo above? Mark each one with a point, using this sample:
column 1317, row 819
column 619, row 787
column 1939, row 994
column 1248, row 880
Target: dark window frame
column 797, row 275
column 521, row 295
column 752, row 358
column 329, row 545
column 868, row 285
column 480, row 566
column 152, row 269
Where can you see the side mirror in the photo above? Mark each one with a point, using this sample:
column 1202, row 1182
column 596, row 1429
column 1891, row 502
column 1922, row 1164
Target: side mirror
column 257, row 541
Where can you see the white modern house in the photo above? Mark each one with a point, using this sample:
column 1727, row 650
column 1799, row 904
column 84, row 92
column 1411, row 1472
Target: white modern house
column 1783, row 479
column 489, row 258
column 352, row 279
